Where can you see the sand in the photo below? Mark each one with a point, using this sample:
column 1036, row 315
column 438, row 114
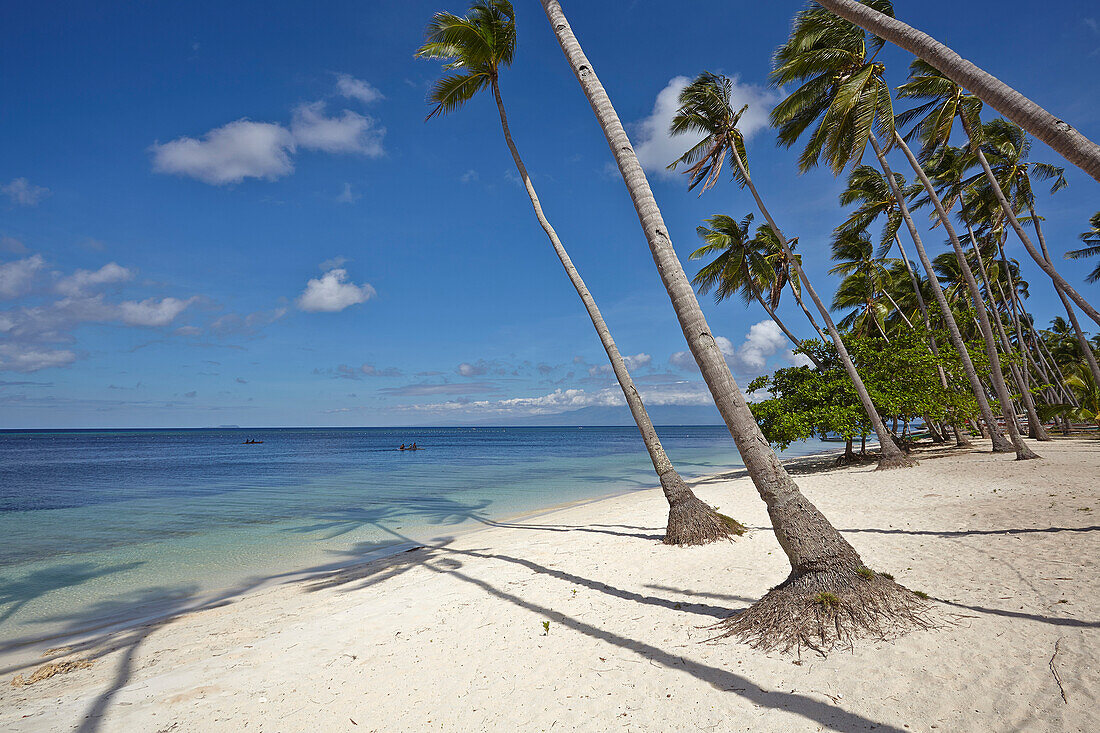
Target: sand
column 581, row 620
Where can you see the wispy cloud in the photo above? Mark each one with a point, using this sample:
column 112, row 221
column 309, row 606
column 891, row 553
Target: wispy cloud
column 22, row 192
column 352, row 88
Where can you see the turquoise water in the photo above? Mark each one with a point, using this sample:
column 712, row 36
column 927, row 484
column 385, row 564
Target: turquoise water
column 103, row 525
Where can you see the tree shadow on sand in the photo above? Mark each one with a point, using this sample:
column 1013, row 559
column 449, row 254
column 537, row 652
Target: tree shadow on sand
column 822, row 713
column 168, row 604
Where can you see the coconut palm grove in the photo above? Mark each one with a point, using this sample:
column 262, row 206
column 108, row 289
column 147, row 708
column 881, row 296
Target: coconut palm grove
column 292, row 512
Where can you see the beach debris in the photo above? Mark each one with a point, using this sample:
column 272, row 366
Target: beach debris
column 49, row 670
column 1054, row 671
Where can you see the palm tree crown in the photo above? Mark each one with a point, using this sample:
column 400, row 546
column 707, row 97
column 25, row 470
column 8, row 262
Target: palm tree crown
column 475, row 47
column 706, row 106
column 843, row 88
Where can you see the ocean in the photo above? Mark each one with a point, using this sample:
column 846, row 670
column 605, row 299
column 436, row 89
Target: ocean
column 114, row 525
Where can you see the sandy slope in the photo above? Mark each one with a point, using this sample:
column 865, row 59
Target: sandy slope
column 451, row 637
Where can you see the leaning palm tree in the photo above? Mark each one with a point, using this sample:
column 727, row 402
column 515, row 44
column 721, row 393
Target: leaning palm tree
column 948, row 101
column 706, row 107
column 1056, row 133
column 793, row 613
column 844, row 98
column 475, row 47
column 741, row 266
column 1008, row 185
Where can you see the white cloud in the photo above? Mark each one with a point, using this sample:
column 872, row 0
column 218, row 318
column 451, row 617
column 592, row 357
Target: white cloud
column 83, row 280
column 24, row 193
column 29, row 358
column 563, row 400
column 348, row 86
column 332, row 292
column 229, row 154
column 763, row 340
column 469, row 176
column 16, row 276
column 349, row 133
column 152, row 312
column 656, row 148
column 188, row 331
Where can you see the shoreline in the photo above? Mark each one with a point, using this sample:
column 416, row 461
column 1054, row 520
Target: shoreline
column 448, row 636
column 16, row 653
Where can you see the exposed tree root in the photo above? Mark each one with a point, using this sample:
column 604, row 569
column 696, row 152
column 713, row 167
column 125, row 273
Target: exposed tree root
column 826, row 609
column 900, row 460
column 692, row 521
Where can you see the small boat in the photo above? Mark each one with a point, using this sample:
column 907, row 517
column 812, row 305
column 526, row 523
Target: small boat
column 250, row 441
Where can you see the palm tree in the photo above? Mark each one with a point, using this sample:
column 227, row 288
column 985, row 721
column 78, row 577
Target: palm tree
column 864, row 286
column 782, row 262
column 1056, row 133
column 844, row 92
column 821, row 560
column 740, row 266
column 874, row 196
column 867, row 188
column 1087, row 392
column 1092, row 239
column 705, row 106
column 1010, row 145
column 475, row 47
column 946, row 97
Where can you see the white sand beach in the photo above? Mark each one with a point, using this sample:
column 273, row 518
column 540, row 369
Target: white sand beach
column 454, row 636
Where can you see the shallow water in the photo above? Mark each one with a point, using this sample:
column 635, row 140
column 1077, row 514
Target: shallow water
column 102, row 524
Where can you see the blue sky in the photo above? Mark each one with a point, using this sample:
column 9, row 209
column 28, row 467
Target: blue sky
column 234, row 213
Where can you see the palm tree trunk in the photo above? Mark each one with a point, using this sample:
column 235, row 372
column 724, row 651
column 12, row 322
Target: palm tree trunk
column 1022, row 451
column 1086, row 349
column 1068, row 142
column 1000, row 445
column 821, row 559
column 782, row 327
column 1044, row 263
column 897, row 308
column 891, row 455
column 809, row 316
column 1035, row 428
column 690, row 521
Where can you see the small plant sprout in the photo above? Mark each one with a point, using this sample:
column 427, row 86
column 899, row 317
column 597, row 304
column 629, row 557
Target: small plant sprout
column 828, row 601
column 887, row 576
column 921, row 595
column 546, row 628
column 866, row 573
column 574, row 592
